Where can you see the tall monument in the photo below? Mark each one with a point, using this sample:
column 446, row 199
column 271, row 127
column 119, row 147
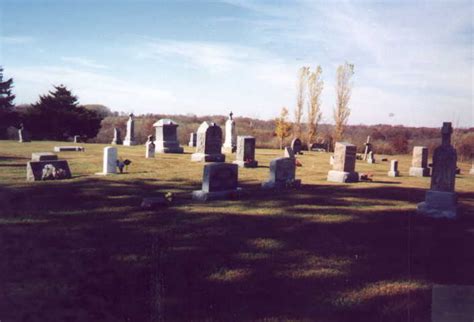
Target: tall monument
column 441, row 200
column 230, row 144
column 130, row 137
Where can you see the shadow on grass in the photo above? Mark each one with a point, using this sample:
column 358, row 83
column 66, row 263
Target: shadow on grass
column 84, row 250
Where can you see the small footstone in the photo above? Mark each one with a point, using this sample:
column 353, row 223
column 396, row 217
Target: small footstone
column 453, row 303
column 68, row 148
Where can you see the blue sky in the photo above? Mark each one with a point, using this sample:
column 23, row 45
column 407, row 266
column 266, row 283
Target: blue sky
column 412, row 59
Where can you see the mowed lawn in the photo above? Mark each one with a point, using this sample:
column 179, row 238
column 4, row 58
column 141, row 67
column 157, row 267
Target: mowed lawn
column 84, row 250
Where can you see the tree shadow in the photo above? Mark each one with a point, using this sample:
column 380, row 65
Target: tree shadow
column 85, row 250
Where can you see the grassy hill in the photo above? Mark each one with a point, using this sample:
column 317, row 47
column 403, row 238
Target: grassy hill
column 84, row 250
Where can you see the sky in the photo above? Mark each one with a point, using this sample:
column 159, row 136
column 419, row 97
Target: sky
column 413, row 60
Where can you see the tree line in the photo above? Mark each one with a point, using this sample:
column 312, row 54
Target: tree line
column 58, row 115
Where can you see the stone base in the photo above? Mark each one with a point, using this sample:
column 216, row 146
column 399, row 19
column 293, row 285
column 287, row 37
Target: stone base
column 419, row 172
column 191, row 145
column 281, row 184
column 129, row 143
column 104, row 174
column 341, row 176
column 471, row 171
column 439, row 204
column 201, row 157
column 246, row 164
column 170, row 150
column 393, row 173
column 200, row 195
column 370, row 161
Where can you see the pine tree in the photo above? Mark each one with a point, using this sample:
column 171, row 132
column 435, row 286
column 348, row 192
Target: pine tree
column 7, row 114
column 58, row 116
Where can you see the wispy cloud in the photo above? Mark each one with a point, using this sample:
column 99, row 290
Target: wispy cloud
column 92, row 87
column 16, row 40
column 84, row 62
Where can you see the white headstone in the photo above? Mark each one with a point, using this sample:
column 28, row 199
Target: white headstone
column 230, row 144
column 130, row 137
column 110, row 161
column 150, row 148
column 393, row 169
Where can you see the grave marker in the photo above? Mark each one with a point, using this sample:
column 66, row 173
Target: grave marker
column 166, row 137
column 419, row 163
column 209, row 143
column 441, row 200
column 219, row 182
column 245, row 157
column 229, row 144
column 130, row 136
column 282, row 174
column 343, row 168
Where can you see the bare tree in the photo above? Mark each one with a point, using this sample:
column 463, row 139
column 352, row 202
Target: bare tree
column 300, row 99
column 282, row 126
column 343, row 95
column 315, row 87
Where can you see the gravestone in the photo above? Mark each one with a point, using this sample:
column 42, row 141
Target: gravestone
column 371, row 157
column 150, row 147
column 245, row 157
column 109, row 161
column 192, row 140
column 130, row 136
column 23, row 135
column 209, row 143
column 46, row 166
column 69, row 148
column 288, row 152
column 229, row 145
column 393, row 169
column 43, row 156
column 219, row 182
column 77, row 138
column 166, row 137
column 452, row 303
column 117, row 137
column 419, row 163
column 368, row 148
column 343, row 168
column 441, row 200
column 282, row 174
column 296, row 145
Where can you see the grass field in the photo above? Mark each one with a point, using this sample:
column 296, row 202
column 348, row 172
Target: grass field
column 84, row 250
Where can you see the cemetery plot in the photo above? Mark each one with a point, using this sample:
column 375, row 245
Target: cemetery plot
column 114, row 248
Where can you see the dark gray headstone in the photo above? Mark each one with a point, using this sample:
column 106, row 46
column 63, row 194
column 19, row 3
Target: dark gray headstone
column 282, row 174
column 219, row 182
column 296, row 145
column 441, row 200
column 246, row 152
column 47, row 170
column 209, row 143
column 452, row 303
column 167, row 137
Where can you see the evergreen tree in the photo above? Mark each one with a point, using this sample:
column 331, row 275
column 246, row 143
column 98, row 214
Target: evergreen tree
column 58, row 116
column 7, row 114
